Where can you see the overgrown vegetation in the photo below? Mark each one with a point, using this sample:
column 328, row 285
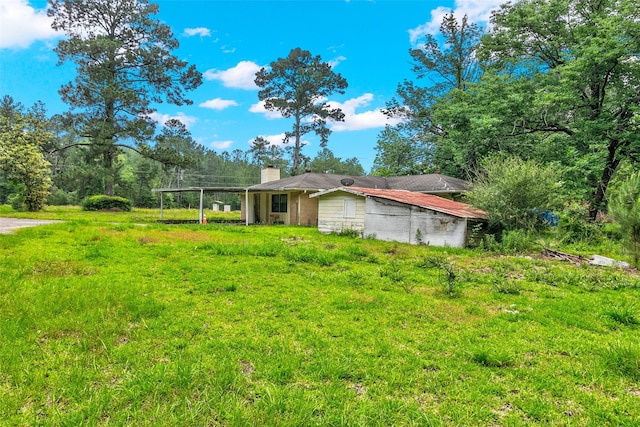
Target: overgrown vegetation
column 624, row 207
column 228, row 325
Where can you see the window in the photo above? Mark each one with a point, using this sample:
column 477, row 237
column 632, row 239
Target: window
column 278, row 203
column 349, row 208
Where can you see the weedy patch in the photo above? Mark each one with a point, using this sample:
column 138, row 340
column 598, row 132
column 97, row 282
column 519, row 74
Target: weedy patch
column 449, row 274
column 623, row 314
column 506, row 286
column 493, row 358
column 623, row 359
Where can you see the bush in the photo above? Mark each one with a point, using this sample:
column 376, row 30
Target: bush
column 60, row 197
column 16, row 201
column 575, row 225
column 100, row 203
column 517, row 241
column 514, row 192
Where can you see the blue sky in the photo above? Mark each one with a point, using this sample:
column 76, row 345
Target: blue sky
column 367, row 42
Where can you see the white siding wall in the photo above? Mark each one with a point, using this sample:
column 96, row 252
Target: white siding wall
column 331, row 213
column 392, row 221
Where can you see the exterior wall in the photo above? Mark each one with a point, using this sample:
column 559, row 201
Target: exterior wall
column 331, row 213
column 301, row 210
column 393, row 221
column 305, row 209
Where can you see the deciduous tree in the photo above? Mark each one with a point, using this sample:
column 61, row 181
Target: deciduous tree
column 326, row 162
column 574, row 64
column 21, row 160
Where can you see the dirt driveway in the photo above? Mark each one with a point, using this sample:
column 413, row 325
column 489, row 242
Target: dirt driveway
column 9, row 225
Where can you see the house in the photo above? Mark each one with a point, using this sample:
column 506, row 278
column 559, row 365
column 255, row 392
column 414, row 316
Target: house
column 288, row 201
column 397, row 215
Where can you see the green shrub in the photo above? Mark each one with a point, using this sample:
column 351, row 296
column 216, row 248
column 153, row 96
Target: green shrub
column 624, row 208
column 349, row 232
column 514, row 191
column 109, row 203
column 16, row 201
column 575, row 225
column 60, row 197
column 516, row 241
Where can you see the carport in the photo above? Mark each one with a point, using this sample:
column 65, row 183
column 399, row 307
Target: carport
column 202, row 191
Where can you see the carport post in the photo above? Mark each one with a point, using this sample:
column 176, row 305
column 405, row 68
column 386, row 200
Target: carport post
column 246, row 206
column 161, row 194
column 201, row 205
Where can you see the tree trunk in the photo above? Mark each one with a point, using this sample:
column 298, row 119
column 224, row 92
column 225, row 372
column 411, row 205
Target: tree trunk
column 296, row 149
column 601, row 190
column 108, row 179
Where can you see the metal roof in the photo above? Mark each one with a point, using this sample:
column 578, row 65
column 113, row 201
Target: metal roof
column 430, row 183
column 427, row 201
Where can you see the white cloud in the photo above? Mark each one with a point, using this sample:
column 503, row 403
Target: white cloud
column 221, row 145
column 478, row 11
column 359, row 121
column 258, row 108
column 21, row 24
column 218, row 104
column 334, row 62
column 200, row 31
column 352, row 120
column 241, row 76
column 188, row 121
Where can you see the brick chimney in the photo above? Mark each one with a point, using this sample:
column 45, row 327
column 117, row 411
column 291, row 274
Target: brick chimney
column 269, row 174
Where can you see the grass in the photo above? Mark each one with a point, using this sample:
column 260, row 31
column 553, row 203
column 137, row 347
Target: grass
column 137, row 215
column 104, row 322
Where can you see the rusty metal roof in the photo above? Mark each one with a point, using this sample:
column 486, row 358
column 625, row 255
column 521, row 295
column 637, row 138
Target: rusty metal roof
column 427, row 201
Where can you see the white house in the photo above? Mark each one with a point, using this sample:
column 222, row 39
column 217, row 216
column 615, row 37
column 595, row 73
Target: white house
column 397, row 215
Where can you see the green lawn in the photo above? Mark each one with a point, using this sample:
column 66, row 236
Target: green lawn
column 123, row 324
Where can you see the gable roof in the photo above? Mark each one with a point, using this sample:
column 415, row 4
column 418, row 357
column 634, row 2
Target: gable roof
column 431, row 183
column 427, row 201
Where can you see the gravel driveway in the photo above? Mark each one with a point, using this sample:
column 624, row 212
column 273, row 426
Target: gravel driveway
column 9, row 225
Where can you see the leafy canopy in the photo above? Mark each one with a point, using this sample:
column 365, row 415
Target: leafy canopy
column 574, row 65
column 21, row 159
